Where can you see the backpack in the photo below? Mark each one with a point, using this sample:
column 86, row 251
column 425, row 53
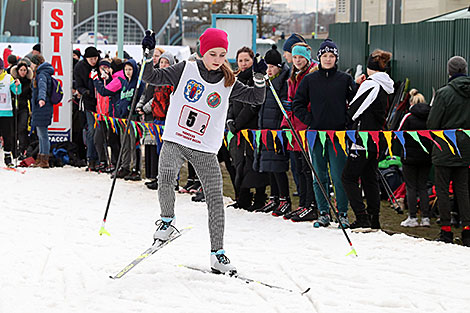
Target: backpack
column 56, row 91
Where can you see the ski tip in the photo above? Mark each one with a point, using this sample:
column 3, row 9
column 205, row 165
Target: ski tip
column 306, row 290
column 110, row 276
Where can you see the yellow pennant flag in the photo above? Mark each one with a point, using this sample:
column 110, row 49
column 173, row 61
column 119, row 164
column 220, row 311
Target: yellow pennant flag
column 274, row 133
column 342, row 141
column 388, row 138
column 245, row 134
column 440, row 134
column 302, row 135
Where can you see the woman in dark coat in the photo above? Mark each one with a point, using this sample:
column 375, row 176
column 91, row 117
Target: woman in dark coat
column 275, row 163
column 241, row 116
column 24, row 74
column 416, row 163
column 42, row 106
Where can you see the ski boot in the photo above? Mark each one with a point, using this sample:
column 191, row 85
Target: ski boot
column 199, row 197
column 362, row 221
column 291, row 214
column 270, row 206
column 187, row 187
column 259, row 201
column 343, row 219
column 410, row 222
column 307, row 215
column 220, row 264
column 165, row 227
column 284, row 207
column 446, row 236
column 323, row 220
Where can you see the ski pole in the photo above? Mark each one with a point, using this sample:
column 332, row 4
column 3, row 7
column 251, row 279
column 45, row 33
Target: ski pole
column 15, row 146
column 391, row 195
column 134, row 102
column 305, row 155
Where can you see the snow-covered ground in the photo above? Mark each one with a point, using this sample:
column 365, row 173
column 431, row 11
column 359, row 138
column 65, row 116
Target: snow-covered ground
column 52, row 258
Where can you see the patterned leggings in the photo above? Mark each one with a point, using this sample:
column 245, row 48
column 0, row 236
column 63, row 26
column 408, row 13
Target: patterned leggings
column 172, row 157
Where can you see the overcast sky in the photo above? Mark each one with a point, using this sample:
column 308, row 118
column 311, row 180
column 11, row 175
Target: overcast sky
column 309, row 5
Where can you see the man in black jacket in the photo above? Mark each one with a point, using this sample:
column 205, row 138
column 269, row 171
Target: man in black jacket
column 84, row 85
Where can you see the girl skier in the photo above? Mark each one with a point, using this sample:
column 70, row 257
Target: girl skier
column 194, row 130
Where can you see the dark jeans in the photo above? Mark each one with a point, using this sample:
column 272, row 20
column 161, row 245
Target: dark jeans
column 100, row 139
column 279, row 184
column 90, row 134
column 151, row 161
column 305, row 179
column 358, row 166
column 23, row 116
column 443, row 175
column 416, row 177
column 7, row 130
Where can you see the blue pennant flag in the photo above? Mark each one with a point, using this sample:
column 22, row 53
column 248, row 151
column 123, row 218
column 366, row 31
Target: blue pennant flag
column 351, row 135
column 401, row 138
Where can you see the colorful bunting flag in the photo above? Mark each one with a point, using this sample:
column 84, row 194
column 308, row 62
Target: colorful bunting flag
column 281, row 139
column 351, row 135
column 440, row 134
column 450, row 133
column 311, row 136
column 274, row 134
column 322, row 135
column 247, row 138
column 342, row 140
column 427, row 134
column 388, row 138
column 401, row 138
column 289, row 137
column 365, row 139
column 264, row 138
column 376, row 139
column 331, row 134
column 415, row 136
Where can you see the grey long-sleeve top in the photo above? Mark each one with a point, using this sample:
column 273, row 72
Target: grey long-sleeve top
column 171, row 76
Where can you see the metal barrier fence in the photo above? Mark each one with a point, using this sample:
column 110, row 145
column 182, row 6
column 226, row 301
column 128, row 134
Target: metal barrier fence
column 420, row 50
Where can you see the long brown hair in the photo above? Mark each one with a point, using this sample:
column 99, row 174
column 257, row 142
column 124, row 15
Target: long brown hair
column 41, row 60
column 229, row 76
column 294, row 73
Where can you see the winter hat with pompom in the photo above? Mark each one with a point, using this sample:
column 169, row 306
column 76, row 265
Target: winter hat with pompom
column 273, row 57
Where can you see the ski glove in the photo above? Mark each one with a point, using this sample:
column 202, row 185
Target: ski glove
column 287, row 105
column 259, row 66
column 258, row 79
column 149, row 40
column 231, row 126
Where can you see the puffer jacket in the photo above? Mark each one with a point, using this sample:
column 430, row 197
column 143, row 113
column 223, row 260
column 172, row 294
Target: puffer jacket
column 451, row 110
column 42, row 116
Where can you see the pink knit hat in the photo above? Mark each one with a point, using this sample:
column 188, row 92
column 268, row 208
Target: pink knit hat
column 213, row 38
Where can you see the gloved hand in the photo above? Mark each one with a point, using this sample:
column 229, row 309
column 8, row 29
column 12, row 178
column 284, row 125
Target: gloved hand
column 287, row 105
column 149, row 40
column 94, row 74
column 259, row 65
column 231, row 126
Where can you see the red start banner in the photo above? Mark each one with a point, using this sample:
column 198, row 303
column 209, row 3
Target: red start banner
column 56, row 47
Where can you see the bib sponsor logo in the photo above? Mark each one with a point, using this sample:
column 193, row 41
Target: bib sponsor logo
column 213, row 100
column 193, row 91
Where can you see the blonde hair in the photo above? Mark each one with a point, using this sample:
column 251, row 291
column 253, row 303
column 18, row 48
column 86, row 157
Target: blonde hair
column 416, row 97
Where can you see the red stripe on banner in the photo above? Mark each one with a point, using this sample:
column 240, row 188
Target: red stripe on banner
column 57, row 129
column 331, row 134
column 427, row 134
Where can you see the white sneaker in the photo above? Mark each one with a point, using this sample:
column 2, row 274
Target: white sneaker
column 165, row 227
column 410, row 222
column 425, row 222
column 220, row 264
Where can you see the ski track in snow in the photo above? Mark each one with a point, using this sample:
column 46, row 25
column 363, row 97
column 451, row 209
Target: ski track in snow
column 53, row 259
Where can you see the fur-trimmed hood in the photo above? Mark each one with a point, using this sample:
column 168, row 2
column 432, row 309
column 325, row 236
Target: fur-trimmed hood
column 14, row 71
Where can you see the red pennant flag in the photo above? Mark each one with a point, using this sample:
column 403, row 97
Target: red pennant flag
column 264, row 138
column 427, row 134
column 331, row 134
column 376, row 139
column 238, row 138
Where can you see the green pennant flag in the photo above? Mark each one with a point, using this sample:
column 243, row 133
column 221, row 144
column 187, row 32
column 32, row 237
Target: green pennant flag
column 415, row 136
column 106, row 122
column 229, row 138
column 258, row 138
column 289, row 137
column 365, row 138
column 322, row 135
column 467, row 132
column 135, row 129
